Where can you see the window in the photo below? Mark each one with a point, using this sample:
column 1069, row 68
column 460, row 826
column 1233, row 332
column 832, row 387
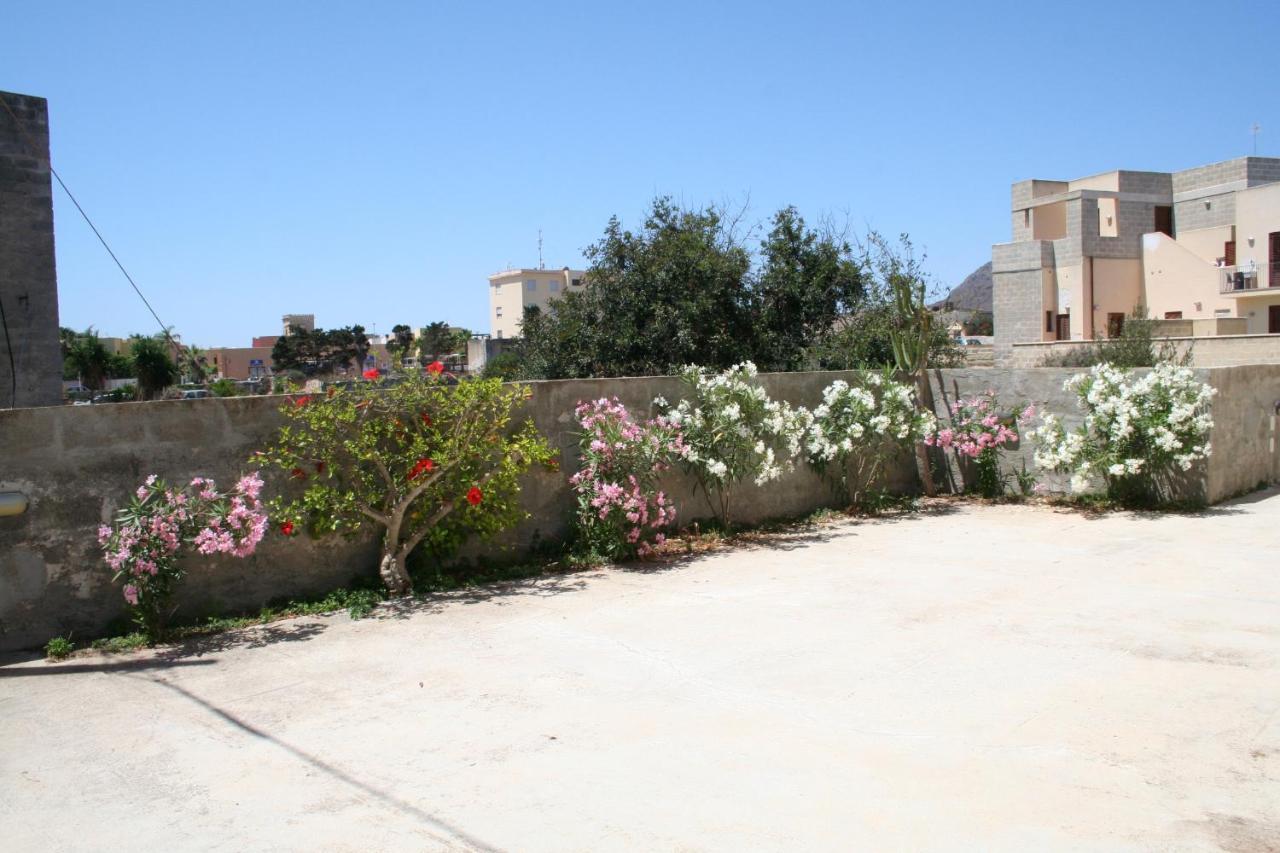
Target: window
column 1048, row 321
column 1026, row 218
column 1229, row 253
column 498, row 311
column 1164, row 219
column 1173, row 315
column 1107, row 218
column 553, row 286
column 499, row 334
column 1115, row 325
column 531, row 284
column 577, row 282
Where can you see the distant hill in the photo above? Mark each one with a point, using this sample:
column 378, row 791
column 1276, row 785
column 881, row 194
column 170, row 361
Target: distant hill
column 972, row 294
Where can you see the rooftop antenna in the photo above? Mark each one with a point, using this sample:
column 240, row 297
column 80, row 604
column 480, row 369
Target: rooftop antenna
column 543, row 266
column 1257, row 128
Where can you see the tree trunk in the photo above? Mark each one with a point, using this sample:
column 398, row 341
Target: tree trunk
column 394, row 574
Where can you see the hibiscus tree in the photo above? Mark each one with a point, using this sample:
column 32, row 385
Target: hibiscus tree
column 425, row 460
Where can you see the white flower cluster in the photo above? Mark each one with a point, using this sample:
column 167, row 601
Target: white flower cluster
column 733, row 429
column 876, row 415
column 1133, row 426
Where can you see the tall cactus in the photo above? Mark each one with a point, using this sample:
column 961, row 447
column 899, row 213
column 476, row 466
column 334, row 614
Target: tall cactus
column 909, row 335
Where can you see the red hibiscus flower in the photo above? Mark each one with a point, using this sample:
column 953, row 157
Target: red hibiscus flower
column 370, row 374
column 426, row 419
column 475, row 496
column 301, row 401
column 435, row 368
column 298, row 474
column 287, row 528
column 421, row 466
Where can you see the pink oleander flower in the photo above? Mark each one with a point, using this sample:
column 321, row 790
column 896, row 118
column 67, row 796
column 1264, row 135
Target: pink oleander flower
column 131, row 594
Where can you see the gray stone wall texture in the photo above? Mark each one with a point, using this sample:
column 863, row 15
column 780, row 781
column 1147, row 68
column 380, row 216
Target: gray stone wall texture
column 1146, row 183
column 1017, row 292
column 77, row 465
column 1211, row 175
column 1191, row 214
column 28, row 278
column 1221, row 351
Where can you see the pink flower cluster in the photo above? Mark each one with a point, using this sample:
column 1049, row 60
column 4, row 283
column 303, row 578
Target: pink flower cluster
column 976, row 427
column 621, row 510
column 144, row 544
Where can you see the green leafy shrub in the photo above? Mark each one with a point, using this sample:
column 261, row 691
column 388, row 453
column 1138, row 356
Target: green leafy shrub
column 857, row 428
column 1138, row 432
column 734, row 432
column 426, row 461
column 978, row 432
column 144, row 546
column 59, row 648
column 621, row 510
column 224, row 387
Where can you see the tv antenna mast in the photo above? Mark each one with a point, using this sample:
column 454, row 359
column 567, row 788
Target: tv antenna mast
column 543, row 266
column 1257, row 128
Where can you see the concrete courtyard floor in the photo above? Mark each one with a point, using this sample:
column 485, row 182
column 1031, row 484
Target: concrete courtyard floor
column 967, row 678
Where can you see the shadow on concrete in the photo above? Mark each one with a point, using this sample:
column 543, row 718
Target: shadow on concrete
column 453, row 837
column 543, row 586
column 253, row 637
column 134, row 665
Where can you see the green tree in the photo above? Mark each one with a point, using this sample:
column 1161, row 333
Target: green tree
column 400, row 343
column 677, row 291
column 424, row 460
column 320, row 352
column 153, row 366
column 807, row 282
column 435, row 340
column 86, row 358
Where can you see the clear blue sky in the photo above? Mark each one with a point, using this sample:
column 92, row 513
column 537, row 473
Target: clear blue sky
column 373, row 162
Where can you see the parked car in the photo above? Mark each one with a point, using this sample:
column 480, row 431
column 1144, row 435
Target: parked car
column 196, row 394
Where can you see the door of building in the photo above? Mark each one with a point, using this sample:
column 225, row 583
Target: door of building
column 1064, row 327
column 1274, row 260
column 1273, row 319
column 1164, row 219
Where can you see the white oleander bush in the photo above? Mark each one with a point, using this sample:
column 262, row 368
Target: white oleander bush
column 734, row 432
column 1139, row 432
column 858, row 428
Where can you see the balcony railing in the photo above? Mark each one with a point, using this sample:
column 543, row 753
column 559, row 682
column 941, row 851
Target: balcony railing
column 1244, row 280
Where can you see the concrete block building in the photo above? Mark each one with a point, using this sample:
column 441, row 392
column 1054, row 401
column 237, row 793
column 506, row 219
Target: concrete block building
column 1200, row 246
column 510, row 291
column 30, row 357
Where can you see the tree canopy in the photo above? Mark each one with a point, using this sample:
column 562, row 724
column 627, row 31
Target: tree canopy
column 686, row 288
column 321, row 351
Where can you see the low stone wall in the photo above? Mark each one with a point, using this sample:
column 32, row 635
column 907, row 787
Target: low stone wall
column 1225, row 351
column 1245, row 451
column 78, row 464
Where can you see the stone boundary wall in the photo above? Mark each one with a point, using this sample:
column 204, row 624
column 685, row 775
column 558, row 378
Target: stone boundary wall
column 78, row 464
column 1221, row 351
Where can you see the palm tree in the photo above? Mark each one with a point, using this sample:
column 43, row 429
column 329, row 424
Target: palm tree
column 155, row 369
column 88, row 357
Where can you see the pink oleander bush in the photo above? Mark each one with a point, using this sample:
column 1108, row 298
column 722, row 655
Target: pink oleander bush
column 978, row 432
column 621, row 511
column 146, row 543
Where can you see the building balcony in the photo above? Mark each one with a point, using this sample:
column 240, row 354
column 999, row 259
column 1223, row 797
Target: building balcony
column 1250, row 281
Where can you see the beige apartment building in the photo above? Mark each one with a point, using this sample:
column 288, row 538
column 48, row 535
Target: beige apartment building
column 511, row 291
column 1200, row 246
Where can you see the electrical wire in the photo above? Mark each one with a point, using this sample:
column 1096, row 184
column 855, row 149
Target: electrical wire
column 13, row 370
